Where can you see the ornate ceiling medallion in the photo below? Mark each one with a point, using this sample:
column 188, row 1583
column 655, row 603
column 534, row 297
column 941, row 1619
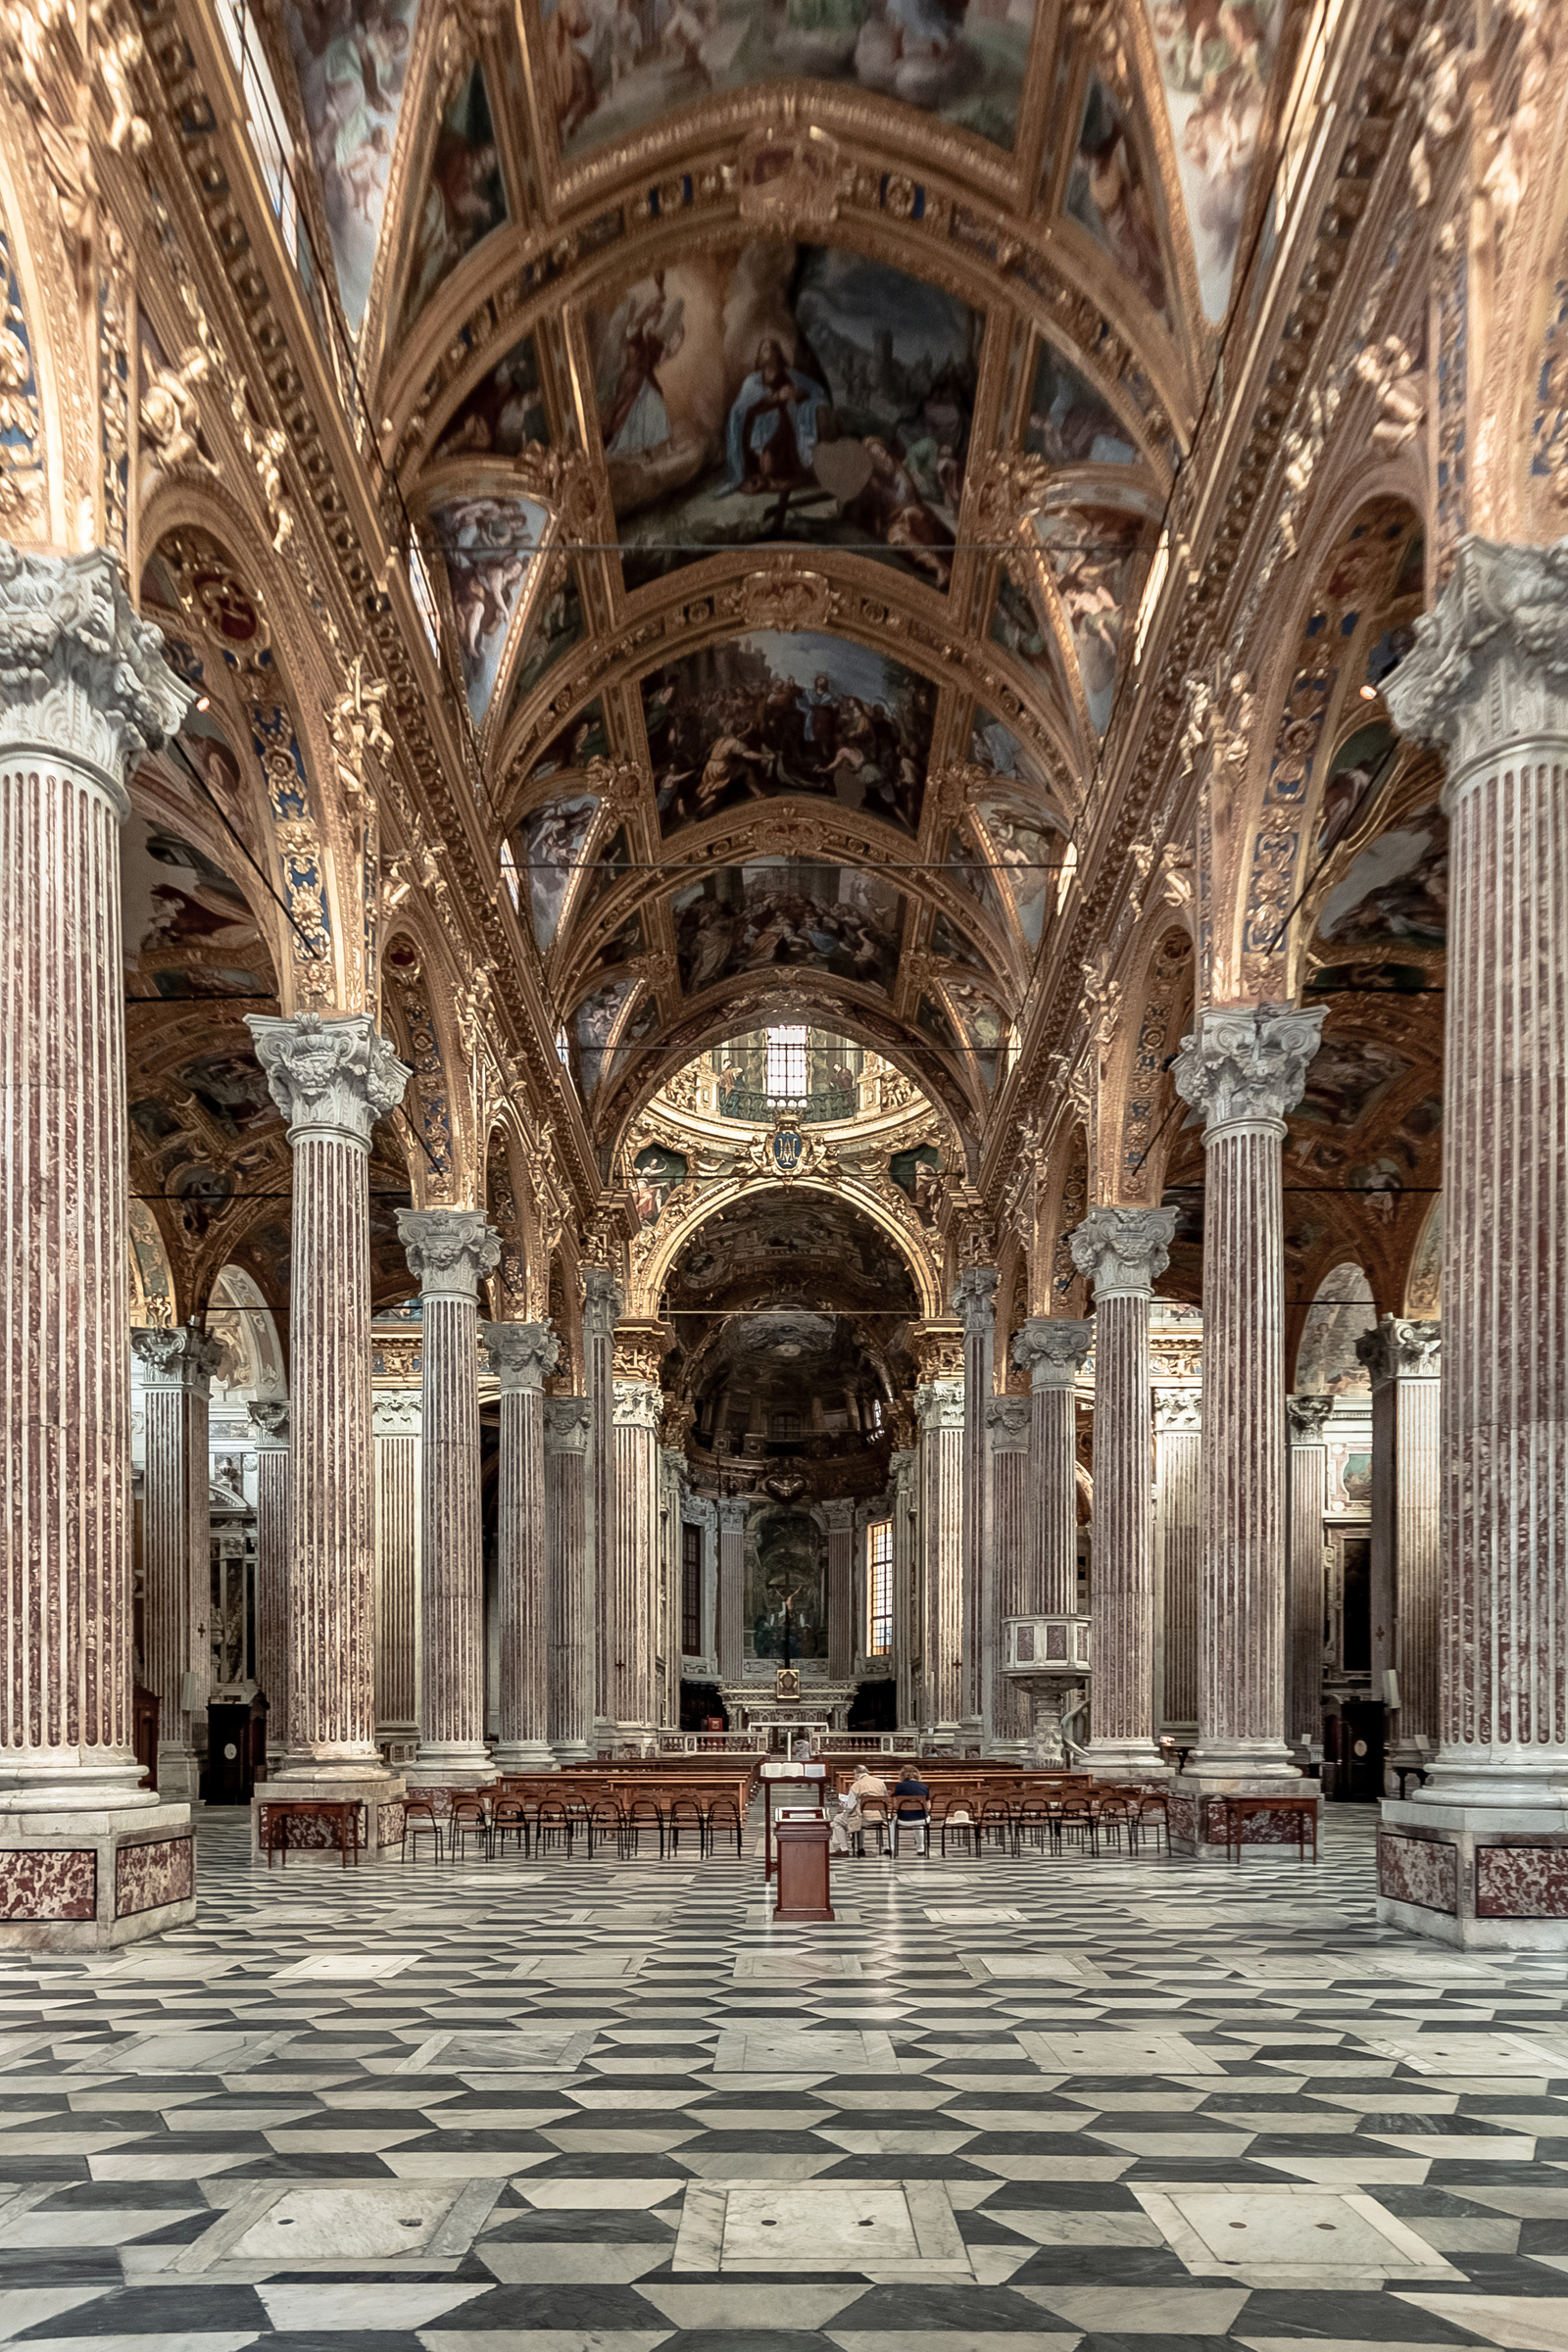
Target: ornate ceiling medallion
column 787, row 1153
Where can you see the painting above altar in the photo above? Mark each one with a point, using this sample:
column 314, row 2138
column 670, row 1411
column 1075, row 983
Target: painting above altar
column 786, row 1568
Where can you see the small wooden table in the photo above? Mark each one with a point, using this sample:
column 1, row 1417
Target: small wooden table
column 345, row 1811
column 1237, row 1809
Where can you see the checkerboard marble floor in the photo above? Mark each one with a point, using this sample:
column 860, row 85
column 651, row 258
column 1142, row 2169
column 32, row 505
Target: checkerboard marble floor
column 1054, row 2105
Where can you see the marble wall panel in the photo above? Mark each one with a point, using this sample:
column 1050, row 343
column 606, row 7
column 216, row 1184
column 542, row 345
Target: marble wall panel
column 146, row 1876
column 49, row 1885
column 1522, row 1881
column 1418, row 1870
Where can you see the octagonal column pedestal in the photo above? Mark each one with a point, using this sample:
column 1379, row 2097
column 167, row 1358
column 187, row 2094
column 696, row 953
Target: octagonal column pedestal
column 939, row 1412
column 1122, row 1250
column 1008, row 1421
column 332, row 1080
column 569, row 1571
column 449, row 1250
column 177, row 1370
column 522, row 1356
column 1047, row 1661
column 89, row 1857
column 1244, row 1067
column 1479, row 1856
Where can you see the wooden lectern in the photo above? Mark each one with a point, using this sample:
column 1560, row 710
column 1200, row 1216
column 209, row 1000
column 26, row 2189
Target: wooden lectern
column 802, row 1870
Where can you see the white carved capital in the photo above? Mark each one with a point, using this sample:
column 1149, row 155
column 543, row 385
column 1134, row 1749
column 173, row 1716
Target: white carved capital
column 1246, row 1065
column 1052, row 1349
column 1123, row 1251
column 1177, row 1411
column 1308, row 1418
column 181, row 1358
column 81, row 678
column 733, row 1512
column 522, row 1355
column 448, row 1250
column 269, row 1417
column 602, row 1301
column 1008, row 1418
column 939, row 1405
column 1489, row 664
column 396, row 1413
column 566, row 1421
column 1399, row 1349
column 840, row 1515
column 698, row 1511
column 974, row 1300
column 638, row 1405
column 328, row 1078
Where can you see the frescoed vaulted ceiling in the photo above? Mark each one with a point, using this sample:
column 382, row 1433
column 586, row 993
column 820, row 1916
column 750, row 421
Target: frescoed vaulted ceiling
column 710, row 341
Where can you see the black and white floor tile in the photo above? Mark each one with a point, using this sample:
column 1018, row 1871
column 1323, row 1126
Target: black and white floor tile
column 1058, row 2104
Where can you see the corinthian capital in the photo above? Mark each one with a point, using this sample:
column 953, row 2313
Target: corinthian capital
column 1308, row 1418
column 602, row 1302
column 974, row 1299
column 566, row 1424
column 448, row 1250
column 1247, row 1066
column 181, row 1358
column 1123, row 1251
column 328, row 1078
column 1008, row 1418
column 1401, row 1349
column 522, row 1355
column 1489, row 664
column 81, row 678
column 1052, row 1349
column 269, row 1417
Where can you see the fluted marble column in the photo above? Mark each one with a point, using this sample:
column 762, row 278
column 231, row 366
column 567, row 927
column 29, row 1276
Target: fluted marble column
column 332, row 1080
column 1122, row 1251
column 571, row 1579
column 1405, row 1362
column 603, row 1301
column 1304, row 1607
column 177, row 1377
column 903, row 1493
column 841, row 1641
column 631, row 1604
column 1488, row 681
column 974, row 1303
column 939, row 1410
column 449, row 1250
column 269, row 1421
column 1053, row 1349
column 522, row 1355
column 1244, row 1068
column 85, row 690
column 395, row 1421
column 733, row 1512
column 1178, row 1422
column 1009, row 1421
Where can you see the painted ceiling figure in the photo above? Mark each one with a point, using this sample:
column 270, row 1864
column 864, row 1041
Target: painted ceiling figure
column 774, row 424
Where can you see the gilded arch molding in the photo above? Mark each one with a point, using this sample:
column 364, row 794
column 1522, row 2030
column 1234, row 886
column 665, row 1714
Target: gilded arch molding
column 687, row 1209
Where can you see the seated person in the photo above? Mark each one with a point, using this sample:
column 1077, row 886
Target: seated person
column 912, row 1799
column 865, row 1789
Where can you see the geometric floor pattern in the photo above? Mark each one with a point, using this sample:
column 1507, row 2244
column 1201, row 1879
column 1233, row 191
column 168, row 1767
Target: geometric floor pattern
column 1054, row 2105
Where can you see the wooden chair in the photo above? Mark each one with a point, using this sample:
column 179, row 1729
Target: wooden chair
column 686, row 1812
column 510, row 1815
column 467, row 1815
column 604, row 1817
column 959, row 1821
column 724, row 1815
column 643, row 1810
column 420, row 1819
column 552, row 1824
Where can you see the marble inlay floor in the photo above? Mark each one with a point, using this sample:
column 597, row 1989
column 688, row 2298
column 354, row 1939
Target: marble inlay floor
column 1054, row 2105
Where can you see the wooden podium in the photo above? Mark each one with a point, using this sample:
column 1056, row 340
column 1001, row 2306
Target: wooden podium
column 803, row 1869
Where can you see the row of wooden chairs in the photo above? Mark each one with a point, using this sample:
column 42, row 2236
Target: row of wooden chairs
column 1080, row 1821
column 543, row 1824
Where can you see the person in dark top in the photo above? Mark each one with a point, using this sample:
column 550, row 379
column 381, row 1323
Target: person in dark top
column 912, row 1799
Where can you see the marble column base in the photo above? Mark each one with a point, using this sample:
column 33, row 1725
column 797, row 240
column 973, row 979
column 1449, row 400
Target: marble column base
column 456, row 1766
column 399, row 1742
column 525, row 1756
column 380, row 1792
column 1190, row 1792
column 179, row 1772
column 1488, row 1877
column 1009, row 1751
column 1125, row 1760
column 571, row 1751
column 83, row 1881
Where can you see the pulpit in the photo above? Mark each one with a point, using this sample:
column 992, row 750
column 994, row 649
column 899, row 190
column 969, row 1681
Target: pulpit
column 802, row 1838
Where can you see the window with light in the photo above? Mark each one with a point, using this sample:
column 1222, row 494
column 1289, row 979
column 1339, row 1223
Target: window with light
column 786, row 1064
column 879, row 1587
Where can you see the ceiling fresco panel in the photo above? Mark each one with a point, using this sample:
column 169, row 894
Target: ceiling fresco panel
column 504, row 411
column 351, row 57
column 781, row 912
column 464, row 196
column 1108, row 195
column 1027, row 854
column 1215, row 62
column 489, row 546
column 1069, row 421
column 614, row 67
column 788, row 393
column 1094, row 551
column 548, row 847
column 778, row 713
